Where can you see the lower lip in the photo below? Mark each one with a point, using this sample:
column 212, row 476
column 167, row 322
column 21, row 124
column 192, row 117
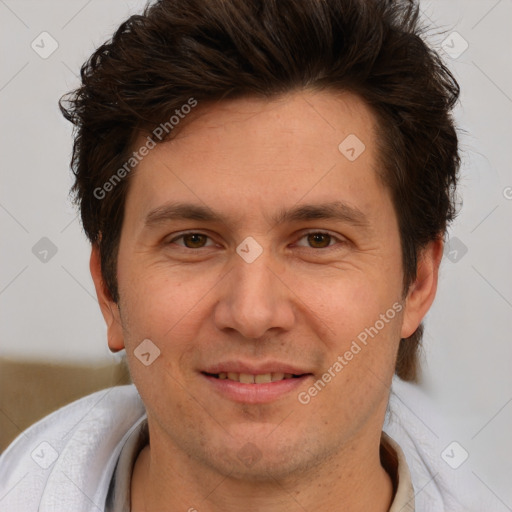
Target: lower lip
column 255, row 393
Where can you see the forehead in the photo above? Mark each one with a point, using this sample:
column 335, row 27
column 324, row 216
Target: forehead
column 317, row 118
column 316, row 146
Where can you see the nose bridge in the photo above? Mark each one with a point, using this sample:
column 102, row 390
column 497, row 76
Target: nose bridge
column 252, row 280
column 253, row 299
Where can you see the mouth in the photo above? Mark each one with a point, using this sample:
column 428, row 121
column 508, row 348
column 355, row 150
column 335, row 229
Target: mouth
column 255, row 386
column 248, row 378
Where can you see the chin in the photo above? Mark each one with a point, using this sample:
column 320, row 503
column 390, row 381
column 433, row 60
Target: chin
column 260, row 460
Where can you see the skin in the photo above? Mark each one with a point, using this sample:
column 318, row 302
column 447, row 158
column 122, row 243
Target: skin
column 299, row 302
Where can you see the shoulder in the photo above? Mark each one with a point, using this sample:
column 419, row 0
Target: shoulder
column 65, row 461
column 439, row 463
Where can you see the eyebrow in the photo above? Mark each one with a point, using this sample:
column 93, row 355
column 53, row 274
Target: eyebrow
column 336, row 210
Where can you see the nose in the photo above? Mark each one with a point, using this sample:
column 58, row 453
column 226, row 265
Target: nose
column 255, row 298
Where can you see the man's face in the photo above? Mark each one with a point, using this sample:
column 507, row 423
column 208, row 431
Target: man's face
column 212, row 309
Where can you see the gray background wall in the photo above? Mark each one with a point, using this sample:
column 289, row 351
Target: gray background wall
column 48, row 308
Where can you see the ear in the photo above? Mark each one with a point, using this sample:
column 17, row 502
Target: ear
column 422, row 292
column 109, row 308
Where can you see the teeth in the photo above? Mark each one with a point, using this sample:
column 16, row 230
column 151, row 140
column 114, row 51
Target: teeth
column 263, row 378
column 247, row 378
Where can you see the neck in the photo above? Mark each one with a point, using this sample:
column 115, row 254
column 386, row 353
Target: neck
column 353, row 479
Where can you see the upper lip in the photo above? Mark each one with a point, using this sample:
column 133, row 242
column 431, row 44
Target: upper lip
column 254, row 368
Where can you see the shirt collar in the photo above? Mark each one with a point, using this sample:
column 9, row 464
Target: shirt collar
column 393, row 461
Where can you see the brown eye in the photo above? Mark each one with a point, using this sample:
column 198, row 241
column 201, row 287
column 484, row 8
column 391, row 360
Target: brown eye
column 319, row 240
column 194, row 240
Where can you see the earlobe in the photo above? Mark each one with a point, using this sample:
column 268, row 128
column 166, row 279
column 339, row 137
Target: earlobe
column 109, row 308
column 423, row 291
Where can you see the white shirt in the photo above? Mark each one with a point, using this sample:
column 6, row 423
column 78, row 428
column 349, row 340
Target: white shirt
column 80, row 458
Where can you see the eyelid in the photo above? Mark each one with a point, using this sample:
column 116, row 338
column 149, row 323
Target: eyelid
column 185, row 233
column 338, row 238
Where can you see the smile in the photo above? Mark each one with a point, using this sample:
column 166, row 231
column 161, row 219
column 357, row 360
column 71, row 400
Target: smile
column 255, row 388
column 247, row 378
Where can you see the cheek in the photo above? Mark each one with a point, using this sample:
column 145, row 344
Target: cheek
column 156, row 306
column 170, row 307
column 163, row 311
column 346, row 302
column 364, row 318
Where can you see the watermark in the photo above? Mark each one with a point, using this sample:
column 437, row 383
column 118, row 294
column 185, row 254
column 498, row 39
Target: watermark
column 44, row 250
column 305, row 397
column 455, row 249
column 249, row 249
column 44, row 45
column 159, row 133
column 351, row 147
column 146, row 352
column 454, row 45
column 454, row 455
column 249, row 454
column 44, row 455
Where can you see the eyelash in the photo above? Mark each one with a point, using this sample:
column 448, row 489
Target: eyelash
column 333, row 237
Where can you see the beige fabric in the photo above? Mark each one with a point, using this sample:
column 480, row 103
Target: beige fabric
column 393, row 460
column 30, row 390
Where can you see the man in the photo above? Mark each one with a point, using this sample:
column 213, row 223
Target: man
column 266, row 186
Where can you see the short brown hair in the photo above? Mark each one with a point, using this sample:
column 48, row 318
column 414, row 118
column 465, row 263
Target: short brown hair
column 226, row 49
